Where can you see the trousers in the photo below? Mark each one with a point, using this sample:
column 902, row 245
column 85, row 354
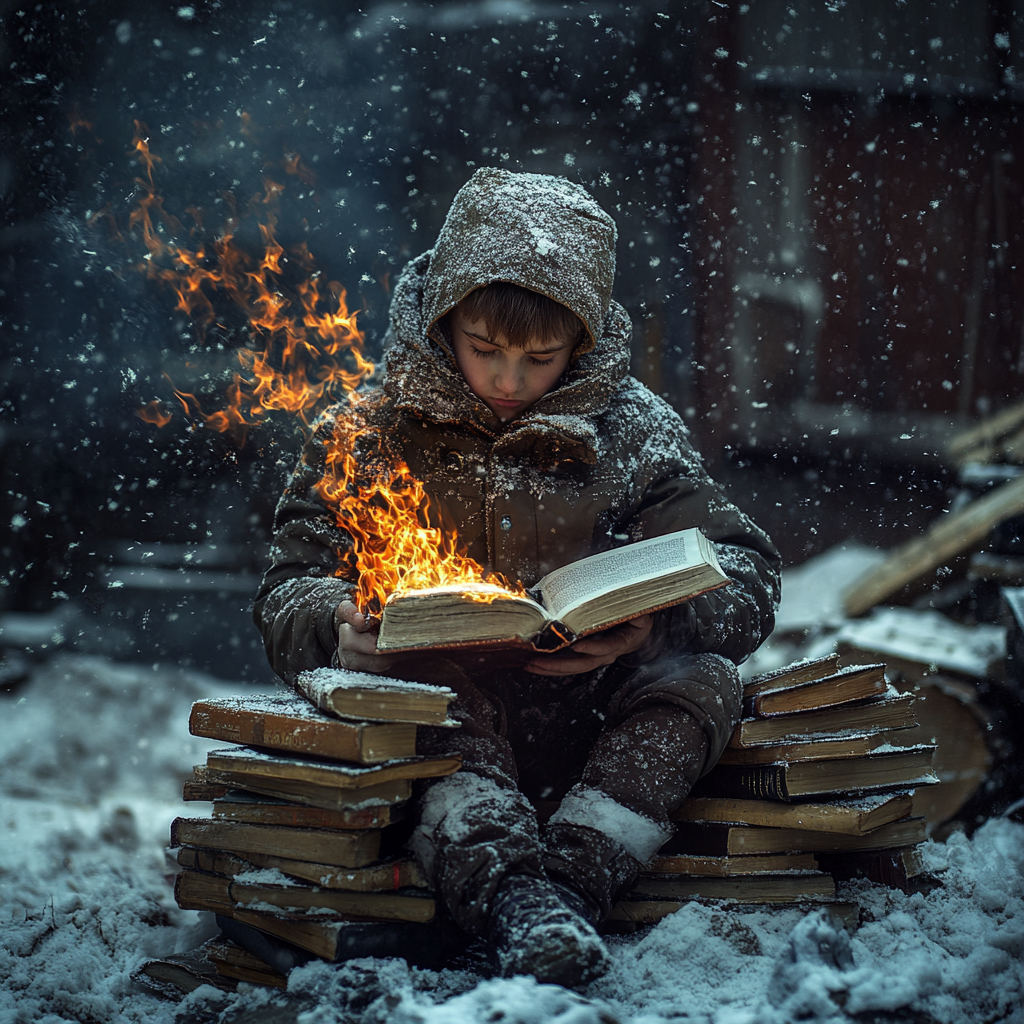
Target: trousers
column 606, row 757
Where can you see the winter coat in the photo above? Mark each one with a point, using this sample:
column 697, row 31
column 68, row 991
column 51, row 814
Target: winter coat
column 598, row 462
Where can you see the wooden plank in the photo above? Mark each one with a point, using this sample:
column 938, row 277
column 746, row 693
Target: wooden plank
column 988, row 430
column 947, row 537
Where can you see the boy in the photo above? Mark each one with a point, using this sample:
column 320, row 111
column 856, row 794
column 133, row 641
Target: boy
column 506, row 392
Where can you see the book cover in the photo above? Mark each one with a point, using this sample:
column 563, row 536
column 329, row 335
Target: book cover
column 805, row 671
column 238, row 805
column 344, row 849
column 853, row 816
column 283, row 936
column 813, row 749
column 727, row 866
column 233, row 961
column 382, row 876
column 787, row 888
column 197, row 890
column 326, row 797
column 360, row 695
column 714, row 839
column 246, row 761
column 858, row 682
column 290, row 723
column 891, row 711
column 888, row 768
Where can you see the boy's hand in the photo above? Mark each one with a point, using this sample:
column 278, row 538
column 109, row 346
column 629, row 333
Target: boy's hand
column 357, row 642
column 595, row 650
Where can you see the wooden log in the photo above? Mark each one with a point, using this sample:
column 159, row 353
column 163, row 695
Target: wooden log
column 949, row 536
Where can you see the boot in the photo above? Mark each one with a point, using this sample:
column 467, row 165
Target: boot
column 591, row 863
column 538, row 927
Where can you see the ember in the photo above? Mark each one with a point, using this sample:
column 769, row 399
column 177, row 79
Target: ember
column 304, row 353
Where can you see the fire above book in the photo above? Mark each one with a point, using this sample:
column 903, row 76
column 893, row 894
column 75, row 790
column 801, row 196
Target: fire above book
column 583, row 597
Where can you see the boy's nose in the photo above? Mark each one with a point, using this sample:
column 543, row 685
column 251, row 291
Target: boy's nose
column 508, row 381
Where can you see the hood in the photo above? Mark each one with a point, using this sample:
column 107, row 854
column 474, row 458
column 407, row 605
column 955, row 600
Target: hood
column 537, row 231
column 534, row 230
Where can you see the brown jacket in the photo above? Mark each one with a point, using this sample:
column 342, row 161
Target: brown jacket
column 596, row 463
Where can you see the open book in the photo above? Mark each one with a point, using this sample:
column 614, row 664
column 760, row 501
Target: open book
column 580, row 598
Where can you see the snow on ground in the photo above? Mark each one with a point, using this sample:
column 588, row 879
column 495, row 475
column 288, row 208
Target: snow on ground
column 812, row 592
column 90, row 768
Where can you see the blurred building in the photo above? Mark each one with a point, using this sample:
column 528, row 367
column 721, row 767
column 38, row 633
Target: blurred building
column 819, row 207
column 860, row 190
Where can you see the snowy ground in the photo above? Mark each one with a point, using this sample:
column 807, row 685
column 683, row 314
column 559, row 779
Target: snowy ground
column 90, row 771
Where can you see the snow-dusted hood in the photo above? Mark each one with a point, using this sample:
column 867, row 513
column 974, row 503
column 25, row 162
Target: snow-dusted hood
column 536, row 231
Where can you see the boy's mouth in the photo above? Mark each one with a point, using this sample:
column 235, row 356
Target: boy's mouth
column 506, row 403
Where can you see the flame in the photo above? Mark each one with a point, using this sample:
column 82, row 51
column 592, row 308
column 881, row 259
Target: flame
column 394, row 551
column 153, row 412
column 304, row 353
column 77, row 123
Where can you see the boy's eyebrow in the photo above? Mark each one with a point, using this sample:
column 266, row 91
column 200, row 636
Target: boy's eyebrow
column 533, row 352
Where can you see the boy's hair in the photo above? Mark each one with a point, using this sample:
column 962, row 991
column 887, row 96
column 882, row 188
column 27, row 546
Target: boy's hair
column 521, row 315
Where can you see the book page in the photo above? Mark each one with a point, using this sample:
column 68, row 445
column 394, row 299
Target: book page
column 599, row 574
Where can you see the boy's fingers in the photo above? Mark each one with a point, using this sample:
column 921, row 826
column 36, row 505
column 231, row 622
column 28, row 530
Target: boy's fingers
column 373, row 663
column 355, row 642
column 348, row 613
column 599, row 646
column 563, row 666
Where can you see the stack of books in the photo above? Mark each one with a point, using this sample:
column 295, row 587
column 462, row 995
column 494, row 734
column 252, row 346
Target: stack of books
column 811, row 790
column 302, row 855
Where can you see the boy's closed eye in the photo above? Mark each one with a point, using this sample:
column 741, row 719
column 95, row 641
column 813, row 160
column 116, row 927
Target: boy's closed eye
column 508, row 379
column 483, row 353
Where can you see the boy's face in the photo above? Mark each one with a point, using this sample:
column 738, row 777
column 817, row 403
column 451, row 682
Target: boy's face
column 508, row 380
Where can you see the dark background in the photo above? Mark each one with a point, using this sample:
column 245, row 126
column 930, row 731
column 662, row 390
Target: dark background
column 819, row 209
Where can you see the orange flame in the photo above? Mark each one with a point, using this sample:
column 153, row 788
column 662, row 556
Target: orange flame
column 305, row 351
column 394, row 552
column 153, row 412
column 77, row 123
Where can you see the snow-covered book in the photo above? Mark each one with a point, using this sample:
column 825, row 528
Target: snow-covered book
column 892, row 710
column 791, row 887
column 380, row 876
column 287, row 721
column 349, row 849
column 725, row 839
column 583, row 597
column 728, row 867
column 335, row 937
column 360, row 695
column 237, row 805
column 852, row 815
column 197, row 890
column 856, row 682
column 894, row 767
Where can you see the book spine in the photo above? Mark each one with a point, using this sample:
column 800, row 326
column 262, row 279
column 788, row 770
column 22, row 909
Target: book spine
column 745, row 782
column 194, row 890
column 235, row 725
column 344, row 849
column 280, row 955
column 204, row 792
